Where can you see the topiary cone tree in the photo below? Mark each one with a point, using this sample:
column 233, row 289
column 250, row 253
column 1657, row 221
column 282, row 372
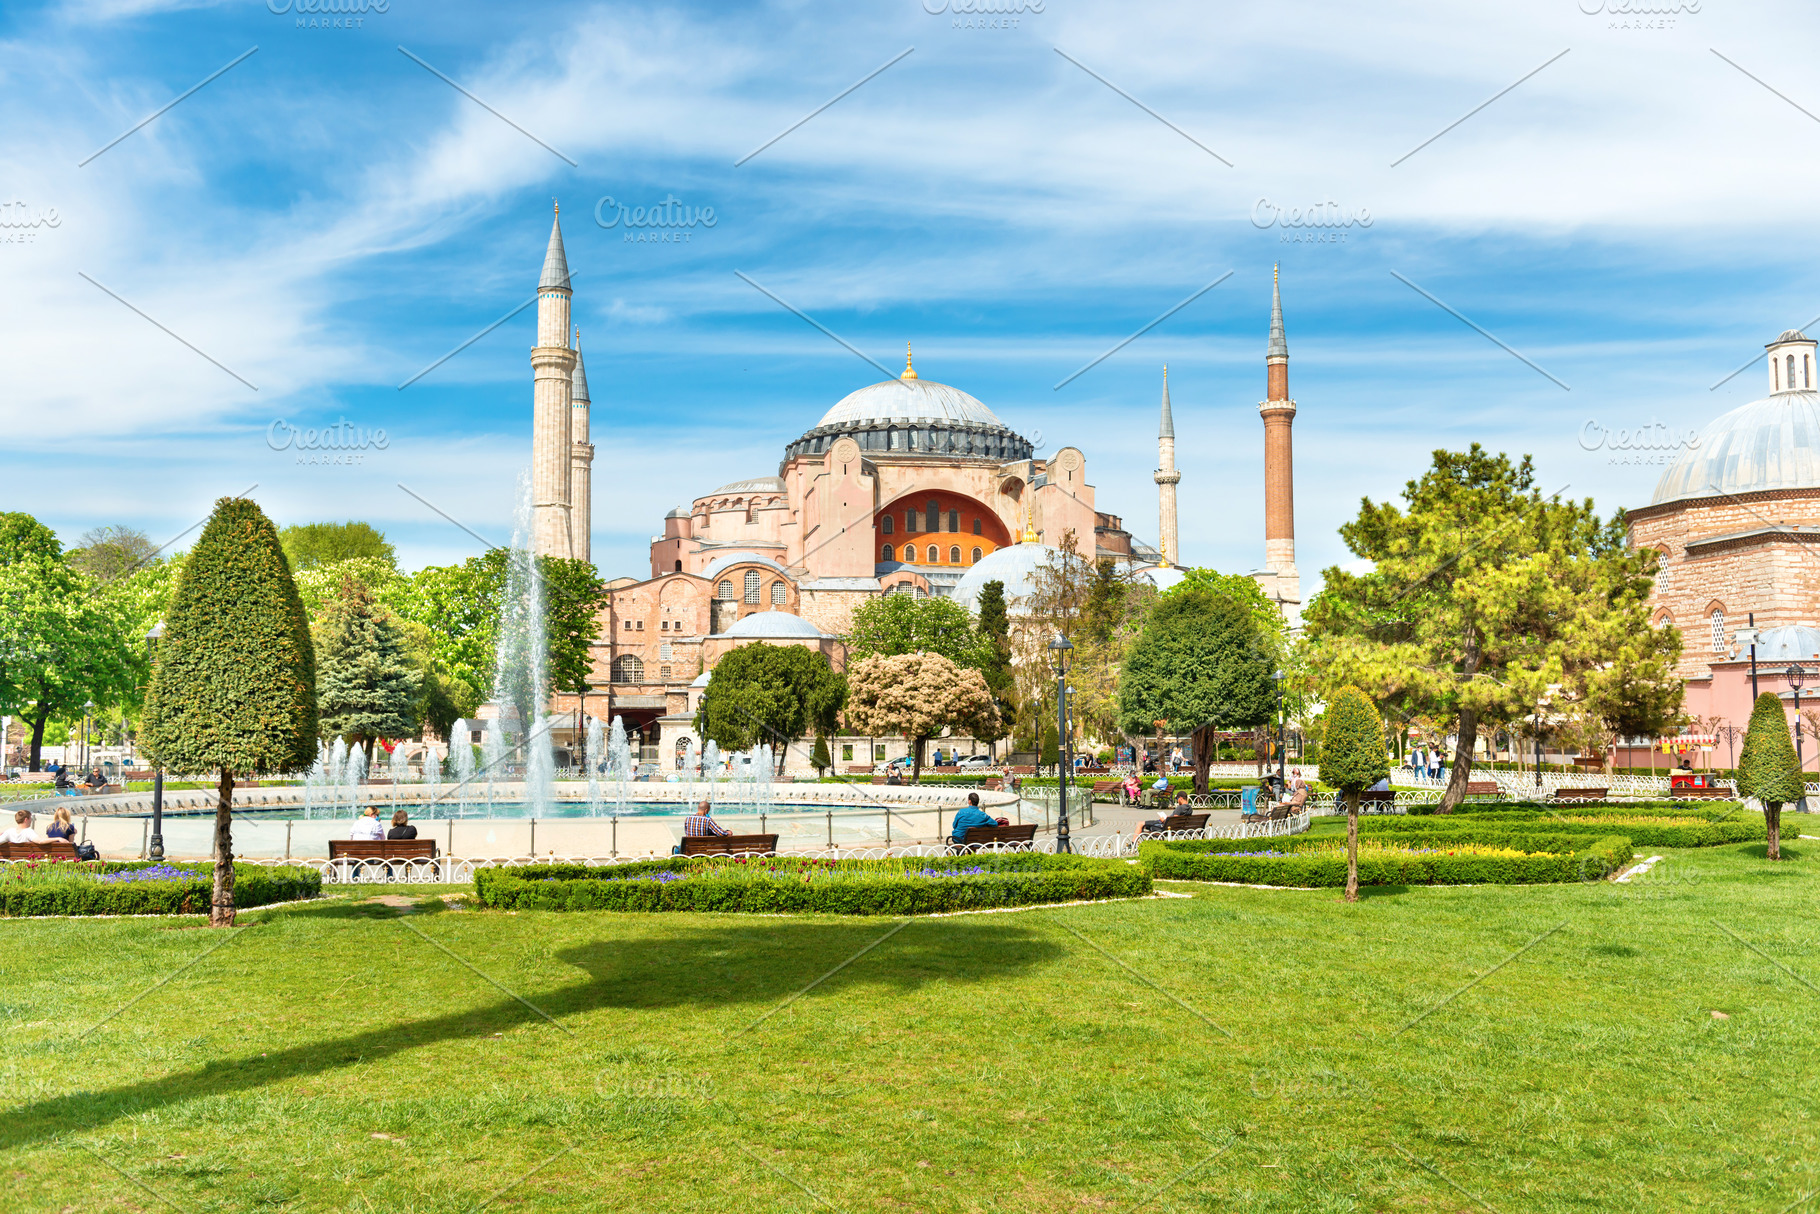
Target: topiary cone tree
column 1352, row 759
column 234, row 687
column 1768, row 770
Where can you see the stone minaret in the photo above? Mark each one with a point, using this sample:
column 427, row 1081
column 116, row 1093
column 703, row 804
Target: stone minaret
column 553, row 370
column 581, row 469
column 1167, row 478
column 1278, row 412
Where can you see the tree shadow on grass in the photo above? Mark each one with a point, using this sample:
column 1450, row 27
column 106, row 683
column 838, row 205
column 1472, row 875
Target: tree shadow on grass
column 749, row 965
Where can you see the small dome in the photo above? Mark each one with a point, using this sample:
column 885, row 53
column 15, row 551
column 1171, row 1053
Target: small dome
column 774, row 625
column 757, row 484
column 701, row 680
column 1791, row 335
column 1791, row 643
column 1769, row 444
column 1016, row 566
column 1163, row 577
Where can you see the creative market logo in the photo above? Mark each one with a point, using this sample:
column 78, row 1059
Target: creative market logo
column 20, row 223
column 327, row 14
column 1639, row 14
column 1322, row 223
column 342, row 444
column 982, row 14
column 1655, row 443
column 666, row 222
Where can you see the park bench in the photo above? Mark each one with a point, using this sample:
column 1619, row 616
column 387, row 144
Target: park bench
column 729, row 845
column 1186, row 821
column 99, row 790
column 51, row 849
column 1109, row 788
column 1580, row 794
column 379, row 853
column 994, row 784
column 1482, row 788
column 1689, row 792
column 979, row 837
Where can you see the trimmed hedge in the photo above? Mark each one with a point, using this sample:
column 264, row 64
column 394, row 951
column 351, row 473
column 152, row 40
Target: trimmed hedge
column 71, row 888
column 774, row 885
column 1504, row 832
column 1194, row 861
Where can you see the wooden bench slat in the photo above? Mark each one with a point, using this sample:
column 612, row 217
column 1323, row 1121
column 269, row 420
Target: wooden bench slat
column 382, row 849
column 727, row 845
column 53, row 849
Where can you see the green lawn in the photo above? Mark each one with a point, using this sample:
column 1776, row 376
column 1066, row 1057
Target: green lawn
column 331, row 1057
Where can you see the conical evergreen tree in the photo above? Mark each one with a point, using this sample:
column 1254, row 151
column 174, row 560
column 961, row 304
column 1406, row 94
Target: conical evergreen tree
column 234, row 687
column 1353, row 758
column 1769, row 770
column 995, row 626
column 367, row 684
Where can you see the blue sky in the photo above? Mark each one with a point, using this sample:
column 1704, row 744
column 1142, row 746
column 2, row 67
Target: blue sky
column 328, row 217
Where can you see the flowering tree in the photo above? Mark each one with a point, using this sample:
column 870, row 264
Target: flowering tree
column 917, row 695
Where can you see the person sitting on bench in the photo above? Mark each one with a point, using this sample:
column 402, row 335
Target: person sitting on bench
column 1153, row 826
column 21, row 829
column 1134, row 791
column 65, row 786
column 401, row 826
column 367, row 825
column 970, row 817
column 701, row 824
column 61, row 827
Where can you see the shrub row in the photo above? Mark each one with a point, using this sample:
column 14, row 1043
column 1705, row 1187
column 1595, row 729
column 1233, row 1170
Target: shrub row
column 1191, row 862
column 1711, row 810
column 783, row 885
column 74, row 888
column 1504, row 832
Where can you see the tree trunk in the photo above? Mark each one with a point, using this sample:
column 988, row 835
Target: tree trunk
column 1203, row 756
column 1462, row 762
column 38, row 739
column 1352, row 846
column 916, row 760
column 221, row 906
column 1772, row 818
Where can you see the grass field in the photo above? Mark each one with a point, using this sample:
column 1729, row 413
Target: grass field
column 1542, row 1048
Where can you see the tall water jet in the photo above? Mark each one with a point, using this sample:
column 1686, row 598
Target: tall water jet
column 313, row 782
column 520, row 673
column 710, row 771
column 592, row 756
column 432, row 779
column 492, row 750
column 338, row 773
column 461, row 765
column 356, row 776
column 619, row 763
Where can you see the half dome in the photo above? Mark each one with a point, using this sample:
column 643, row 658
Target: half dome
column 1767, row 445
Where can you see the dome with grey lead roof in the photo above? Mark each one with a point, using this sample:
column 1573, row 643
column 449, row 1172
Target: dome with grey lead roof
column 1766, row 446
column 773, row 625
column 913, row 416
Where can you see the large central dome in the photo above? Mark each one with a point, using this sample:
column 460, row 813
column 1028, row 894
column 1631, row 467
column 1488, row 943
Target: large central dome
column 912, row 416
column 1769, row 444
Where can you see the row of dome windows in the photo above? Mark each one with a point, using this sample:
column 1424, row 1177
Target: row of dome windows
column 1807, row 375
column 935, row 554
column 992, row 446
column 753, row 586
column 630, row 668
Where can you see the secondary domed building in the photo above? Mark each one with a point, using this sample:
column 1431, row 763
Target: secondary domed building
column 1736, row 519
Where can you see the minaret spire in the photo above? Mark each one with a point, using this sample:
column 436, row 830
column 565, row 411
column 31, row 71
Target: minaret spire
column 581, row 462
column 1166, row 480
column 552, row 373
column 1283, row 583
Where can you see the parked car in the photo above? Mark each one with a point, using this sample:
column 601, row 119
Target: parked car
column 974, row 761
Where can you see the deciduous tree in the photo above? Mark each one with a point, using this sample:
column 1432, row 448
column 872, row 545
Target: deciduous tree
column 895, row 624
column 310, row 545
column 918, row 695
column 234, row 686
column 770, row 695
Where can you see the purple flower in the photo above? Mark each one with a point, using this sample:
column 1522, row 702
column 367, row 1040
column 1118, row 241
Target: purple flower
column 157, row 872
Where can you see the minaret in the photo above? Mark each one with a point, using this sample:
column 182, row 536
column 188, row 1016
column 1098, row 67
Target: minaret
column 581, row 468
column 552, row 368
column 1167, row 478
column 1278, row 412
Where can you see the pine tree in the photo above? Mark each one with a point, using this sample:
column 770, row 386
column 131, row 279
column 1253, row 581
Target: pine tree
column 995, row 629
column 367, row 683
column 1052, row 746
column 234, row 688
column 820, row 759
column 1352, row 760
column 1769, row 770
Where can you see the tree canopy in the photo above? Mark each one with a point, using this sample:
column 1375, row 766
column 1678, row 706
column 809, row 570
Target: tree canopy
column 1770, row 771
column 895, row 624
column 1353, row 758
column 918, row 695
column 110, row 553
column 1486, row 600
column 769, row 695
column 234, row 686
column 367, row 685
column 995, row 630
column 1202, row 664
column 309, row 545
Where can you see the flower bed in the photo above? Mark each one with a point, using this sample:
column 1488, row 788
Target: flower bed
column 1433, row 860
column 773, row 884
column 137, row 887
column 1645, row 830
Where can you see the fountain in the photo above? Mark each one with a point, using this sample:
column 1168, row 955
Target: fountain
column 356, row 776
column 710, row 770
column 461, row 764
column 314, row 782
column 591, row 756
column 338, row 773
column 619, row 763
column 400, row 766
column 492, row 750
column 520, row 676
column 432, row 778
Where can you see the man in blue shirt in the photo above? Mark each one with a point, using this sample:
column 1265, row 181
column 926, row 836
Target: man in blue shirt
column 971, row 816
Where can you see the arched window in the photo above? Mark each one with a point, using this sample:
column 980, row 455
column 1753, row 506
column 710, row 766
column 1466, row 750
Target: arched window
column 752, row 585
column 1807, row 371
column 1791, row 371
column 885, row 524
column 1718, row 631
column 885, row 553
column 777, row 594
column 976, row 529
column 977, row 554
column 954, row 520
column 628, row 668
column 679, row 566
column 954, row 555
column 724, row 591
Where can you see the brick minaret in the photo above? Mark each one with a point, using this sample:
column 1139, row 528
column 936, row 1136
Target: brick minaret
column 581, row 467
column 1278, row 412
column 553, row 369
column 1167, row 478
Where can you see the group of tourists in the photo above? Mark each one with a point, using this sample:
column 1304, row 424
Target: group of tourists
column 368, row 826
column 21, row 831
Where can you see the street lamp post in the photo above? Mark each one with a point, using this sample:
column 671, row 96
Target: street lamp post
column 1059, row 649
column 88, row 712
column 1796, row 676
column 1276, row 677
column 156, row 851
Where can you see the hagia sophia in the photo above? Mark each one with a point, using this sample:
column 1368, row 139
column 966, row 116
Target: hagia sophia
column 906, row 486
column 910, row 486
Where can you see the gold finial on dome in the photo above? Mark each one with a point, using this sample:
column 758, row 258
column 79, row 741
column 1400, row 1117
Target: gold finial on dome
column 909, row 371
